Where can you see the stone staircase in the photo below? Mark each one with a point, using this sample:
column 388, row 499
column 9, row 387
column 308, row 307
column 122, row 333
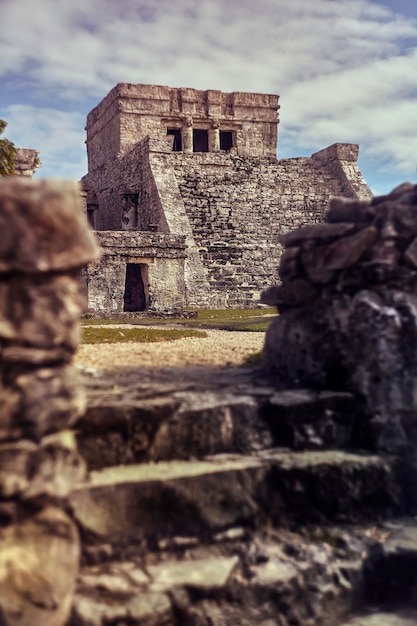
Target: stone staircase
column 215, row 499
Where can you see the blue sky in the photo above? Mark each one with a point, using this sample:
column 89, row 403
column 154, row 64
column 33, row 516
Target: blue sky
column 345, row 70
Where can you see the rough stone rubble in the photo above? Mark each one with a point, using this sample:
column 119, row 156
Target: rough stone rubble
column 44, row 242
column 348, row 318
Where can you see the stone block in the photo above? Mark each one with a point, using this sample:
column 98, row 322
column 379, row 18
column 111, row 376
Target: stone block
column 39, row 560
column 44, row 227
column 302, row 419
column 39, row 400
column 133, row 503
column 48, row 470
column 150, row 609
column 42, row 312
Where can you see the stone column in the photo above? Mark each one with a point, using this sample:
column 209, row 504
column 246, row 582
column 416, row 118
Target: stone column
column 187, row 135
column 45, row 241
column 214, row 137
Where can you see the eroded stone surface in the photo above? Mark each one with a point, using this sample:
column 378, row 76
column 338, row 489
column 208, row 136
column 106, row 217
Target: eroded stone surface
column 207, row 574
column 358, row 332
column 50, row 469
column 42, row 312
column 171, row 517
column 265, row 577
column 39, row 561
column 38, row 400
column 43, row 227
column 44, row 241
column 150, row 609
column 202, row 498
column 392, row 576
column 135, row 416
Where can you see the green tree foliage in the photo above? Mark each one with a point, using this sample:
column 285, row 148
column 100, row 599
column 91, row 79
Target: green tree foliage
column 7, row 153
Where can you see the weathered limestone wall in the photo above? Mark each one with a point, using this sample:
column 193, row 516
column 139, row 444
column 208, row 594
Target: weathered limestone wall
column 238, row 207
column 125, row 176
column 177, row 220
column 340, row 159
column 231, row 209
column 115, row 179
column 161, row 258
column 146, row 175
column 104, row 116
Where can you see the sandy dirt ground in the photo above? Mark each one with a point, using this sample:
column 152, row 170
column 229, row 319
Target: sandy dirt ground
column 219, row 348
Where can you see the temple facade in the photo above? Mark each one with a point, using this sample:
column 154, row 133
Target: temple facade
column 199, row 170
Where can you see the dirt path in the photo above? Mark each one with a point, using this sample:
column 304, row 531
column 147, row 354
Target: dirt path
column 219, row 348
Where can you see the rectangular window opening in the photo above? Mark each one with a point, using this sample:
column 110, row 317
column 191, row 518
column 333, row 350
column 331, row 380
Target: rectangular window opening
column 177, row 145
column 200, row 140
column 226, row 139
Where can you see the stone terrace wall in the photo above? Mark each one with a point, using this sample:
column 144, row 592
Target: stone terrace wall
column 238, row 207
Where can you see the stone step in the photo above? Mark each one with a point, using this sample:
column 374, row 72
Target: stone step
column 405, row 617
column 392, row 567
column 241, row 578
column 314, row 577
column 149, row 502
column 136, row 417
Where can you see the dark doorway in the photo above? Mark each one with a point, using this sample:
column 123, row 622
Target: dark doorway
column 136, row 287
column 91, row 209
column 200, row 140
column 177, row 145
column 226, row 139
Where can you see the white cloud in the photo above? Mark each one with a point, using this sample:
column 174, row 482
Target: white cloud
column 373, row 105
column 345, row 70
column 77, row 46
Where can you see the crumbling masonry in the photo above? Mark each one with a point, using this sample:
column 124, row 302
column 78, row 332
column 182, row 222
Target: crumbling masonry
column 191, row 182
column 26, row 162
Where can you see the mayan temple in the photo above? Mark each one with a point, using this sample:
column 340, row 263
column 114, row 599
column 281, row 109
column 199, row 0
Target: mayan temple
column 189, row 197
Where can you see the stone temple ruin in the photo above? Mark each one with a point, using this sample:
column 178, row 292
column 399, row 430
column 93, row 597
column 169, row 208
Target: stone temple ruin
column 189, row 200
column 26, row 162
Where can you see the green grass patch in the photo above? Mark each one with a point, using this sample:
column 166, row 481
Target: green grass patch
column 101, row 334
column 253, row 320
